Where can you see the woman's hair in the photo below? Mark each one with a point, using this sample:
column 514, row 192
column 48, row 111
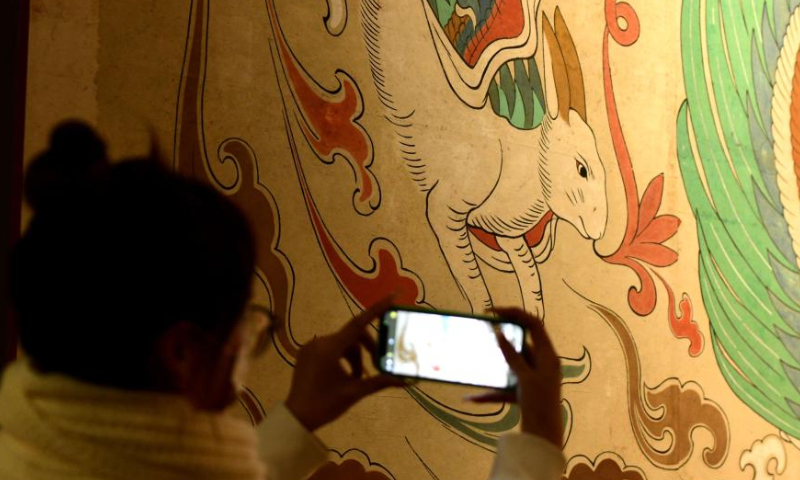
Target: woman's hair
column 117, row 254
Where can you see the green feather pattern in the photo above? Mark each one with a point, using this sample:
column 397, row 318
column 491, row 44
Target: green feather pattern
column 748, row 271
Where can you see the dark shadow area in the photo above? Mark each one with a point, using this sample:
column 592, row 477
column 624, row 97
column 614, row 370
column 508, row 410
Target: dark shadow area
column 14, row 22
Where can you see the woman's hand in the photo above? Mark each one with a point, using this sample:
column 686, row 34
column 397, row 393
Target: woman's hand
column 322, row 387
column 538, row 371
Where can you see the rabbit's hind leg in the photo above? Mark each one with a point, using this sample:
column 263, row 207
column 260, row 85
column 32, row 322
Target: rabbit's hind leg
column 449, row 223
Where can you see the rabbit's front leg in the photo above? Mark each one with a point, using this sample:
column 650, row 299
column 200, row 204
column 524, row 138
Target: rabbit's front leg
column 449, row 223
column 521, row 257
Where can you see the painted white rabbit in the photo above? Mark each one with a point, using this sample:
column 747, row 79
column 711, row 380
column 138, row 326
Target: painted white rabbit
column 451, row 147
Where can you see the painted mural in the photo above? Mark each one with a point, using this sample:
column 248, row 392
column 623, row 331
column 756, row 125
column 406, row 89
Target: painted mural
column 482, row 111
column 627, row 170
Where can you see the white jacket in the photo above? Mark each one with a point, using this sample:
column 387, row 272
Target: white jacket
column 55, row 427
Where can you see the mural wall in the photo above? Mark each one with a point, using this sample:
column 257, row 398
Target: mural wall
column 627, row 171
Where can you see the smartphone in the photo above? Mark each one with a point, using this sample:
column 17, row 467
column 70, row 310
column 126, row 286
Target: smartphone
column 446, row 347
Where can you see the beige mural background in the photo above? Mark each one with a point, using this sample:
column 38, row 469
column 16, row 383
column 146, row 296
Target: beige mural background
column 119, row 66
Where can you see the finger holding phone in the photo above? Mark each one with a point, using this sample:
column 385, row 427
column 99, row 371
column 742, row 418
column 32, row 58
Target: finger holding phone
column 329, row 376
column 323, row 388
column 538, row 371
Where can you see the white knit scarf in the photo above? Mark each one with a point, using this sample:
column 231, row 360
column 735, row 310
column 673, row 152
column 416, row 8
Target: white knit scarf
column 52, row 426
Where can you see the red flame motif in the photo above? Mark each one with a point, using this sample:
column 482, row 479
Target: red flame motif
column 329, row 124
column 329, row 120
column 364, row 285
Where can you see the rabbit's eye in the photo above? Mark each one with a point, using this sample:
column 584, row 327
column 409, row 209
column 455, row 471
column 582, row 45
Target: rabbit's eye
column 581, row 169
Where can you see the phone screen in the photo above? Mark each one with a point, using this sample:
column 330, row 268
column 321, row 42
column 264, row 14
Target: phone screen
column 447, row 348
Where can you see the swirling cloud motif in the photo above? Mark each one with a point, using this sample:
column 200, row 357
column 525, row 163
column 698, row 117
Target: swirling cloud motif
column 234, row 172
column 766, row 457
column 353, row 464
column 664, row 417
column 606, row 466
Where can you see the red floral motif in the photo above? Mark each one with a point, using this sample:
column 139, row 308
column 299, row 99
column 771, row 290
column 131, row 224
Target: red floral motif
column 643, row 245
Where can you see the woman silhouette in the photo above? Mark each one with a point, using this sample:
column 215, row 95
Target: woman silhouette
column 131, row 287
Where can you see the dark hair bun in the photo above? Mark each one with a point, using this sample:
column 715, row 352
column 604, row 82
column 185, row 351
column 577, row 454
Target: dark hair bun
column 76, row 156
column 115, row 255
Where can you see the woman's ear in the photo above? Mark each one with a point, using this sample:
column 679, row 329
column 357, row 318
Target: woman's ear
column 175, row 349
column 199, row 367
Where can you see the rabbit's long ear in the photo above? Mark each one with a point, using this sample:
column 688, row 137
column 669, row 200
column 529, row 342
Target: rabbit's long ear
column 577, row 94
column 556, row 80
